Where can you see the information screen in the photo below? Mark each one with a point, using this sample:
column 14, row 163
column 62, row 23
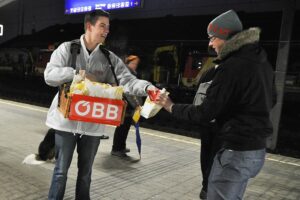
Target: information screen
column 81, row 6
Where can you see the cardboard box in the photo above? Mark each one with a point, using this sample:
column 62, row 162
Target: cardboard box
column 64, row 101
column 92, row 109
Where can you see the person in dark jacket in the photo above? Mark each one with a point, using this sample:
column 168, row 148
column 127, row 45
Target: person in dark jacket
column 121, row 132
column 209, row 142
column 240, row 99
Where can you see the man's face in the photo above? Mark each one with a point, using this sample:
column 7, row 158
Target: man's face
column 216, row 43
column 100, row 30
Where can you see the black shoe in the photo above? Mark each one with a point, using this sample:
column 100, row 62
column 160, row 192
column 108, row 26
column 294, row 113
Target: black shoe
column 104, row 137
column 121, row 154
column 126, row 150
column 203, row 194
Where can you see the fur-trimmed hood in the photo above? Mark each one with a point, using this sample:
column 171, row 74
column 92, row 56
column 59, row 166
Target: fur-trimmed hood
column 242, row 38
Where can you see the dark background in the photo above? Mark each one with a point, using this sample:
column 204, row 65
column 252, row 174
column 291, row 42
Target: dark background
column 142, row 36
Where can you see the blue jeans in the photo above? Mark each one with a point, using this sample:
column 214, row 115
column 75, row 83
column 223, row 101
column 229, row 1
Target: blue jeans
column 65, row 144
column 231, row 171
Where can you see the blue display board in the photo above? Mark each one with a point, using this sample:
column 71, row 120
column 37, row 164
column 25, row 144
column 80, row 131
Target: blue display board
column 81, row 6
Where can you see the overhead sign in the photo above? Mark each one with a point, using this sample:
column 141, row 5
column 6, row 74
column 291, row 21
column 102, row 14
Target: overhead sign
column 81, row 6
column 1, row 29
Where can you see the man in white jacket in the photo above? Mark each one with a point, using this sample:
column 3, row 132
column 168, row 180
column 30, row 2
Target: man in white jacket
column 85, row 135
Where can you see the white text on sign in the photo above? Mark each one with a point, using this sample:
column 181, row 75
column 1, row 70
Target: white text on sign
column 1, row 29
column 96, row 110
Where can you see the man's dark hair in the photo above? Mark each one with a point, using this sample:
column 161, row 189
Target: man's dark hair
column 93, row 16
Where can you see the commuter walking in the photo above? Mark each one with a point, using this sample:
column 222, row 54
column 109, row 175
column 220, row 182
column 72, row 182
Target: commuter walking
column 209, row 140
column 121, row 132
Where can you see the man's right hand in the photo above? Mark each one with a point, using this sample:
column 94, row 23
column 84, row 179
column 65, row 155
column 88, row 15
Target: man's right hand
column 164, row 100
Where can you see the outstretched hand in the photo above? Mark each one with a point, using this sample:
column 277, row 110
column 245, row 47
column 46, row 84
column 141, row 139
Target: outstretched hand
column 151, row 88
column 165, row 101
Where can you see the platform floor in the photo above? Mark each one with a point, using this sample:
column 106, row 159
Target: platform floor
column 169, row 168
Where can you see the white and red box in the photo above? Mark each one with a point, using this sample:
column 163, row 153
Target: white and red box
column 95, row 109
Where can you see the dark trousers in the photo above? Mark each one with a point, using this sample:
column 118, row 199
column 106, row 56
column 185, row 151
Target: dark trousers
column 121, row 133
column 209, row 148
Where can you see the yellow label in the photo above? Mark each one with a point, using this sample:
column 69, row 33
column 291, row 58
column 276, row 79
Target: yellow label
column 137, row 114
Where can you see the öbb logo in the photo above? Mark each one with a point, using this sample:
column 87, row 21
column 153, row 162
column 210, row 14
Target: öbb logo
column 96, row 110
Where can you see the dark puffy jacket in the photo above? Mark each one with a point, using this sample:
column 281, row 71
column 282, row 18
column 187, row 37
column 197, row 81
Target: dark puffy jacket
column 241, row 95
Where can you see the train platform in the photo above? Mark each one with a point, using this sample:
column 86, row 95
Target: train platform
column 169, row 168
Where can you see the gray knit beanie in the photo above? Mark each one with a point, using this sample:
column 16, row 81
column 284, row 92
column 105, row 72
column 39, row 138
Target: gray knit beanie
column 225, row 25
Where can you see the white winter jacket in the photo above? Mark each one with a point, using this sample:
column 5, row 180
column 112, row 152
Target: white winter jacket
column 59, row 71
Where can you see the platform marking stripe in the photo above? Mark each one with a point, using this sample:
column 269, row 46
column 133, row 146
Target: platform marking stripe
column 169, row 138
column 284, row 162
column 198, row 144
column 22, row 106
column 146, row 133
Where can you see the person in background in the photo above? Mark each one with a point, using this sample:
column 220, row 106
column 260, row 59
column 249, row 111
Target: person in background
column 240, row 98
column 121, row 132
column 209, row 141
column 86, row 136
